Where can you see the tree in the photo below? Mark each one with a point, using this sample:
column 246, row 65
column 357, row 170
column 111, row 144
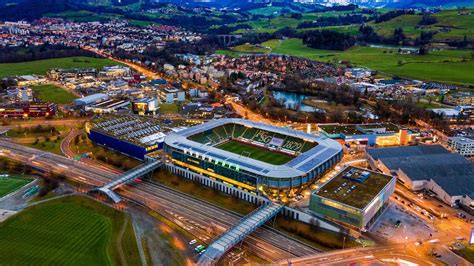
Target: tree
column 398, row 35
column 427, row 19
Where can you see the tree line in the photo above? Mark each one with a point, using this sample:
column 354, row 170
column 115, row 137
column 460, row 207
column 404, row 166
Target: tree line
column 334, row 21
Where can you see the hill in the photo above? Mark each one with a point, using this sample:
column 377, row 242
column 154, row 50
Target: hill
column 451, row 24
column 431, row 3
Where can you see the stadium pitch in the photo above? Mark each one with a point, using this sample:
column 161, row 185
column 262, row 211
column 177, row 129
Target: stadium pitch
column 254, row 152
column 9, row 184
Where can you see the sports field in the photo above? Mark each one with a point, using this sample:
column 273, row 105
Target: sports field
column 53, row 93
column 11, row 183
column 254, row 152
column 68, row 231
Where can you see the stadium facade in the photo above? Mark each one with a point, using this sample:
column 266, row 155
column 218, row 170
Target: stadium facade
column 251, row 155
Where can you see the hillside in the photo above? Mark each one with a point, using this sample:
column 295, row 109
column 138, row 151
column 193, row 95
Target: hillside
column 451, row 24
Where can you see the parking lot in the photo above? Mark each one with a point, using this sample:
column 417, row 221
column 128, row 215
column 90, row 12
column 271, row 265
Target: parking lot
column 398, row 225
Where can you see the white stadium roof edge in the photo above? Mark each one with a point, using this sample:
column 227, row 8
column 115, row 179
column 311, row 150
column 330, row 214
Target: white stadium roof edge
column 298, row 166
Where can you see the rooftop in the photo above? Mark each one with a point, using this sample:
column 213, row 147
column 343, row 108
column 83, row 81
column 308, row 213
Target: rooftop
column 462, row 140
column 354, row 186
column 451, row 171
column 142, row 131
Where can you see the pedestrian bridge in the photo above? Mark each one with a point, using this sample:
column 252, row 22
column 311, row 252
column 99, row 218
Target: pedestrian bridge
column 126, row 177
column 238, row 232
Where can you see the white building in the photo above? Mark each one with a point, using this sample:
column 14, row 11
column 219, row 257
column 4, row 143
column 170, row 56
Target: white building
column 170, row 95
column 462, row 145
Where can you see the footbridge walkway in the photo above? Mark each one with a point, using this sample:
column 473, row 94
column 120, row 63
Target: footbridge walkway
column 126, row 177
column 238, row 232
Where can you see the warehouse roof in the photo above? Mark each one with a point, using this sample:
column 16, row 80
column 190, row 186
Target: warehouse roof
column 451, row 171
column 91, row 99
column 407, row 151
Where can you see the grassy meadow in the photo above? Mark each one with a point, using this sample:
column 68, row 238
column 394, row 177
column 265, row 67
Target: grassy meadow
column 53, row 93
column 40, row 67
column 72, row 230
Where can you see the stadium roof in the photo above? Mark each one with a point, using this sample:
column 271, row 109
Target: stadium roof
column 300, row 165
column 451, row 171
column 354, row 192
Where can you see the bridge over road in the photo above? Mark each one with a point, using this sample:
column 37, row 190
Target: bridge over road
column 126, row 177
column 238, row 232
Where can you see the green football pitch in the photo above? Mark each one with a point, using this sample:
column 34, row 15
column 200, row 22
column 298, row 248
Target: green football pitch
column 9, row 184
column 254, row 152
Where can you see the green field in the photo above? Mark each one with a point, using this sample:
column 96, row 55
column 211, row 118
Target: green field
column 251, row 48
column 450, row 66
column 406, row 22
column 169, row 108
column 84, row 16
column 468, row 253
column 40, row 67
column 53, row 93
column 68, row 231
column 36, row 131
column 12, row 183
column 256, row 153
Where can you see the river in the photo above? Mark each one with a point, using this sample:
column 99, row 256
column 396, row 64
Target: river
column 292, row 100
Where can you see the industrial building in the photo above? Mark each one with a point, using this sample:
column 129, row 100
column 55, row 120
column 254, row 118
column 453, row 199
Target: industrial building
column 380, row 134
column 91, row 99
column 20, row 94
column 252, row 156
column 449, row 176
column 115, row 71
column 107, row 106
column 132, row 135
column 354, row 197
column 29, row 109
column 61, row 73
column 459, row 99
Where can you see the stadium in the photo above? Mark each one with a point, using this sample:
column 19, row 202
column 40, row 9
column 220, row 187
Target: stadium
column 252, row 156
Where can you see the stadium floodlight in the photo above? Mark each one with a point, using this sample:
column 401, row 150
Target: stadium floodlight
column 471, row 239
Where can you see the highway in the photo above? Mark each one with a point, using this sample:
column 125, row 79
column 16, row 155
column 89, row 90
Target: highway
column 388, row 255
column 190, row 213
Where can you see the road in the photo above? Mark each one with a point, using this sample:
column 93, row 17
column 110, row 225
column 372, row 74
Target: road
column 396, row 255
column 66, row 142
column 190, row 213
